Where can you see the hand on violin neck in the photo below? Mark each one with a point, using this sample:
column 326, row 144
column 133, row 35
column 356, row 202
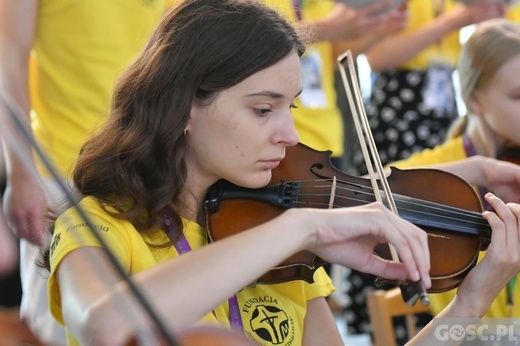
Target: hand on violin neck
column 500, row 263
column 347, row 236
column 503, row 178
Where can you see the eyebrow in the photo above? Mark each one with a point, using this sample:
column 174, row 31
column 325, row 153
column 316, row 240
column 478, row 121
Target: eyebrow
column 271, row 94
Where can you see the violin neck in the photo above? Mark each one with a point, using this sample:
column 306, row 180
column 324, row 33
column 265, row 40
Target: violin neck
column 434, row 216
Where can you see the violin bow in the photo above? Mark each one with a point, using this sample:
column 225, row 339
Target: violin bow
column 22, row 129
column 411, row 292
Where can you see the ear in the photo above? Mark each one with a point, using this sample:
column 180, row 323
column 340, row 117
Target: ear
column 474, row 103
column 194, row 111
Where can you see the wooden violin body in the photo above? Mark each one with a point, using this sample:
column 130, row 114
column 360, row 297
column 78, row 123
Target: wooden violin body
column 213, row 335
column 442, row 204
column 200, row 335
column 509, row 154
column 14, row 330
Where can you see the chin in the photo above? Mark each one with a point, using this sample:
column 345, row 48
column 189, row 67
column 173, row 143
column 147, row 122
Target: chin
column 255, row 181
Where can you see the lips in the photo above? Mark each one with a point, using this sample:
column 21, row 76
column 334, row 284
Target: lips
column 271, row 164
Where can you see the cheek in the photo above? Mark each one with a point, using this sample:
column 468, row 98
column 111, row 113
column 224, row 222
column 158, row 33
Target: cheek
column 241, row 139
column 504, row 118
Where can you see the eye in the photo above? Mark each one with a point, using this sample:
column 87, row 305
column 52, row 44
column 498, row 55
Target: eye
column 262, row 111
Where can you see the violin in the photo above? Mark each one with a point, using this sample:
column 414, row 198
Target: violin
column 509, row 154
column 442, row 204
column 201, row 335
column 213, row 335
column 14, row 330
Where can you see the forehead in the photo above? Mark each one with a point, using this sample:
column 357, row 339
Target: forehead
column 508, row 73
column 283, row 78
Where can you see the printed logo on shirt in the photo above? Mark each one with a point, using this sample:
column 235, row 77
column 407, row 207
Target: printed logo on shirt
column 55, row 243
column 99, row 227
column 268, row 322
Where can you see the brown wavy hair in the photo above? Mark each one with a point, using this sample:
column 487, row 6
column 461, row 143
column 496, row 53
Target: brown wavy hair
column 135, row 163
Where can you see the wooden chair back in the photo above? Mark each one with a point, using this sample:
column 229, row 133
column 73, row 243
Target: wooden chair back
column 383, row 306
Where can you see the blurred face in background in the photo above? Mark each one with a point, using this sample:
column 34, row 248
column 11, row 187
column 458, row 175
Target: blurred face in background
column 498, row 102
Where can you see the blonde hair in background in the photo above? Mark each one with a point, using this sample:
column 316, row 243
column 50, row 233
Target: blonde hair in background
column 493, row 43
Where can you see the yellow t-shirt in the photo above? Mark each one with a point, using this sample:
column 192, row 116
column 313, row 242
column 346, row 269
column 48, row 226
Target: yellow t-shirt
column 447, row 50
column 453, row 150
column 286, row 303
column 80, row 49
column 318, row 118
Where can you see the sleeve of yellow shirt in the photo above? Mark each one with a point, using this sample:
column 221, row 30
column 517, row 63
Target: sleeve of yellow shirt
column 72, row 232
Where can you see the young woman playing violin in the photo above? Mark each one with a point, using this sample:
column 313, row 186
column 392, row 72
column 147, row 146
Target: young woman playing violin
column 210, row 98
column 487, row 68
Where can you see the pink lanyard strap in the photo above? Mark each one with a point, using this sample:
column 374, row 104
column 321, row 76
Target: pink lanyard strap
column 297, row 6
column 182, row 246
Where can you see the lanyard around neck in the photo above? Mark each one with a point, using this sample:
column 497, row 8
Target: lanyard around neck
column 297, row 7
column 182, row 246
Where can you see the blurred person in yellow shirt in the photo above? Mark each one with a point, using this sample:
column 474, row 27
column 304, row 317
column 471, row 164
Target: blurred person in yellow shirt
column 59, row 61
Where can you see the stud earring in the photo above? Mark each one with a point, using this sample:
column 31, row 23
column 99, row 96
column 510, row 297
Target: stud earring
column 185, row 132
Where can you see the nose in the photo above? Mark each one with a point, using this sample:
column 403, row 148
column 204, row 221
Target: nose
column 287, row 133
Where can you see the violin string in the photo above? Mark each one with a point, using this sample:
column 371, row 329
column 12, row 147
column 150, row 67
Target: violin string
column 464, row 214
column 324, row 205
column 415, row 201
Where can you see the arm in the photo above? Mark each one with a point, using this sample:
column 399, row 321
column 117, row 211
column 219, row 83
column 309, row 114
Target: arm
column 501, row 177
column 396, row 22
column 501, row 263
column 24, row 202
column 92, row 314
column 345, row 23
column 397, row 49
column 320, row 326
column 8, row 252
